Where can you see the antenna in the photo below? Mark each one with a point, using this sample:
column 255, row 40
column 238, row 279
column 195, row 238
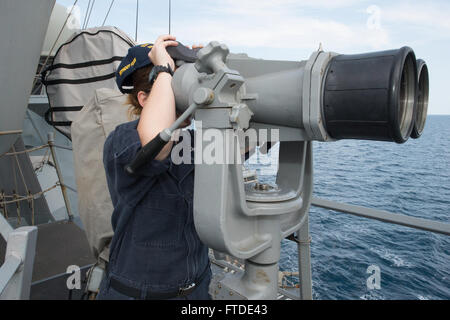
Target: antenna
column 170, row 11
column 107, row 14
column 89, row 15
column 137, row 18
column 87, row 12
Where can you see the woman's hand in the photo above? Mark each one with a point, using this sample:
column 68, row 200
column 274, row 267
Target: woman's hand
column 158, row 55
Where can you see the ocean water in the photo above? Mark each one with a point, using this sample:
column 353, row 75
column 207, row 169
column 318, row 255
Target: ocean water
column 411, row 179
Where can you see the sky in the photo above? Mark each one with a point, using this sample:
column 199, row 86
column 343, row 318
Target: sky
column 293, row 29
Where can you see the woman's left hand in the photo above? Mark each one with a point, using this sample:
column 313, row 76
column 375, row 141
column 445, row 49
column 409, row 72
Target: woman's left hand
column 158, row 55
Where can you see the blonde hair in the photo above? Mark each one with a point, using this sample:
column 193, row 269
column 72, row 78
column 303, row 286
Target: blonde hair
column 140, row 83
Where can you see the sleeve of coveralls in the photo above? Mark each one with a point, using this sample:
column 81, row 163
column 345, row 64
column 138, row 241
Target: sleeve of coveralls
column 121, row 147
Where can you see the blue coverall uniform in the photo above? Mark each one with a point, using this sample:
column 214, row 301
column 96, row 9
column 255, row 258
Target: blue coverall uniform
column 155, row 247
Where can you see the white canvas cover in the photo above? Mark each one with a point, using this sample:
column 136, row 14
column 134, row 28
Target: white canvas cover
column 86, row 62
column 90, row 128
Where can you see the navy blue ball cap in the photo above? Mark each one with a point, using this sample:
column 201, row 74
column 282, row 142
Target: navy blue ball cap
column 136, row 58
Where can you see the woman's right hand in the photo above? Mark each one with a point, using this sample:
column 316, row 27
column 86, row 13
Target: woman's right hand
column 158, row 54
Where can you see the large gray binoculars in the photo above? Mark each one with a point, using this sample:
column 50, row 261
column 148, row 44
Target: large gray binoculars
column 374, row 96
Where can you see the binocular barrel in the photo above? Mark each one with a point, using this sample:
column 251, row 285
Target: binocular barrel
column 422, row 99
column 380, row 96
column 373, row 96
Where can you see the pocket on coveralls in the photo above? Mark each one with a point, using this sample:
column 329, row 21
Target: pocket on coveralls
column 158, row 222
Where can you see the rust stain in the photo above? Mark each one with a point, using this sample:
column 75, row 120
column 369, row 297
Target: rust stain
column 261, row 275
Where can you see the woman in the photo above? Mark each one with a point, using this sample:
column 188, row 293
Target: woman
column 155, row 251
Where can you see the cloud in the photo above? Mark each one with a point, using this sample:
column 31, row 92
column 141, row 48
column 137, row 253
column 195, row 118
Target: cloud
column 289, row 33
column 256, row 5
column 279, row 24
column 345, row 26
column 429, row 15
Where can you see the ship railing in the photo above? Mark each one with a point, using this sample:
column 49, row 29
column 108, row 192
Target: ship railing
column 384, row 216
column 52, row 146
column 303, row 240
column 16, row 271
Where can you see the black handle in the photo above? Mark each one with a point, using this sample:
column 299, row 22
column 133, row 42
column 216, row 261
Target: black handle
column 146, row 154
column 183, row 53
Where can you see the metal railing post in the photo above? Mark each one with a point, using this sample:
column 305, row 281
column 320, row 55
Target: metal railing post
column 51, row 142
column 10, row 132
column 17, row 270
column 5, row 228
column 304, row 261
